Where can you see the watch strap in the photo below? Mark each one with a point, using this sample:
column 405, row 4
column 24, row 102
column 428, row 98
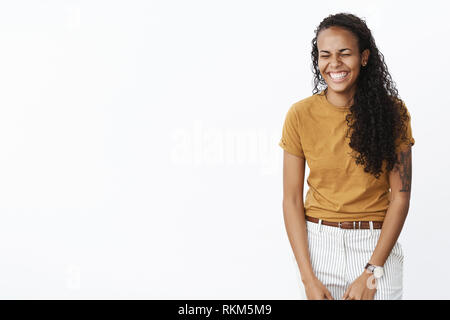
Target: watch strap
column 371, row 267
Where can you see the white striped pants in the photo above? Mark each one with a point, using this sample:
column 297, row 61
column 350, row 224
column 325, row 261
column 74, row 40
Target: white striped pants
column 338, row 256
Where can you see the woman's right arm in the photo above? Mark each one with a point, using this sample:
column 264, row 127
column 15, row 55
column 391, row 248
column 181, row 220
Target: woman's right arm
column 295, row 223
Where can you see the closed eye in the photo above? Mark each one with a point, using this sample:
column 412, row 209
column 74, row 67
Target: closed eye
column 328, row 56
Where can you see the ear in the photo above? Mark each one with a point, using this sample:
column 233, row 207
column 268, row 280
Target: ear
column 365, row 55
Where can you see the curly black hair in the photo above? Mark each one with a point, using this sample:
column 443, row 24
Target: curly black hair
column 378, row 117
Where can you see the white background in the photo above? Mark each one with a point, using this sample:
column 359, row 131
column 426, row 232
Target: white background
column 139, row 153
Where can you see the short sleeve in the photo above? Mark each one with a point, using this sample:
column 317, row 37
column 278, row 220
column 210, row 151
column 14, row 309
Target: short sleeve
column 401, row 144
column 290, row 137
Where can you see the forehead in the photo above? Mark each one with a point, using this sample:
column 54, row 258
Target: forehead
column 335, row 38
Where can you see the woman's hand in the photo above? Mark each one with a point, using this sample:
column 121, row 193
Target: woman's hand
column 363, row 288
column 315, row 290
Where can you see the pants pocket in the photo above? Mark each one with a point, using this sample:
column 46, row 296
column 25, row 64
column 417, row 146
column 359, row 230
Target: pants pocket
column 397, row 251
column 400, row 247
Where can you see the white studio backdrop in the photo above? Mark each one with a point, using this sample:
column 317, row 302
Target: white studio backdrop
column 139, row 153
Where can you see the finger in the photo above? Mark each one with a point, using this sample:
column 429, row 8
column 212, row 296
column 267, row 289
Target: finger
column 345, row 296
column 329, row 296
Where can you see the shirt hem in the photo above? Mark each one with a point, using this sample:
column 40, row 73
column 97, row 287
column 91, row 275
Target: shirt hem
column 346, row 216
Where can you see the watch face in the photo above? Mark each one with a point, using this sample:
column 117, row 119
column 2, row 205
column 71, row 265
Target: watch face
column 378, row 272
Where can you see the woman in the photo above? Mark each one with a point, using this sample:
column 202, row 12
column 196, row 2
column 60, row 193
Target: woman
column 356, row 137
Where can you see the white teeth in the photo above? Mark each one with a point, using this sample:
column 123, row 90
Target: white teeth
column 338, row 75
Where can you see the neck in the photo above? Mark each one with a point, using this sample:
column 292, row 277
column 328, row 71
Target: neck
column 340, row 99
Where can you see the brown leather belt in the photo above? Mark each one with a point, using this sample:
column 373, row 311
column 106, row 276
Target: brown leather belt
column 348, row 224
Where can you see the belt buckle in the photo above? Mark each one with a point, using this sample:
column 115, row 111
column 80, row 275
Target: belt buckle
column 339, row 225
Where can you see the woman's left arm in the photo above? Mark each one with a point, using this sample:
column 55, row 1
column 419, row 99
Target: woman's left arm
column 400, row 182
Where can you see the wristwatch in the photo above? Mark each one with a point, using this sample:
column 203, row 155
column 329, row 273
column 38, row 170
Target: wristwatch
column 377, row 271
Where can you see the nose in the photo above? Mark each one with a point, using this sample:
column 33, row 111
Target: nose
column 335, row 61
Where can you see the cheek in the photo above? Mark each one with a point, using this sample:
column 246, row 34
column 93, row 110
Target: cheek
column 355, row 71
column 321, row 68
column 355, row 65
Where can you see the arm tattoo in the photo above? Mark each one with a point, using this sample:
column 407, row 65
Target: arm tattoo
column 405, row 170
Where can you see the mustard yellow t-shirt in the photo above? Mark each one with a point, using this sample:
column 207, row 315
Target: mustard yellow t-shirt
column 339, row 190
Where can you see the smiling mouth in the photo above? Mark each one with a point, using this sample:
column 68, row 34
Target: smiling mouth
column 338, row 76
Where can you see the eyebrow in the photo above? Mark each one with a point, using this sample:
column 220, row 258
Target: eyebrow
column 339, row 50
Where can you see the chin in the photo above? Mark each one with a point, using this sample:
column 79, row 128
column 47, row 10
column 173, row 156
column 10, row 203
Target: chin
column 338, row 88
